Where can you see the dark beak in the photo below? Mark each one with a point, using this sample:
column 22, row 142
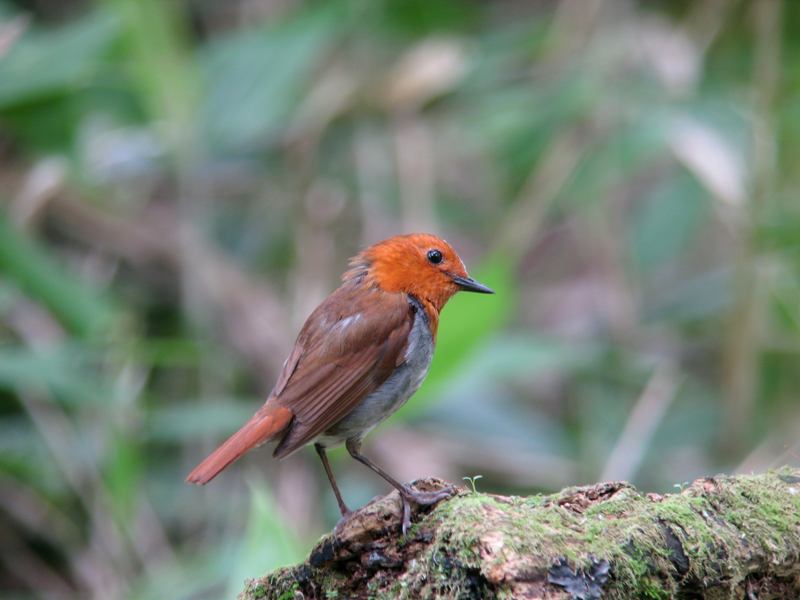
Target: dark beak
column 468, row 284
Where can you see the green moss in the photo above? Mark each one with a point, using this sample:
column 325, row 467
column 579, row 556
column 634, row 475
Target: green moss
column 475, row 538
column 287, row 595
column 261, row 592
column 652, row 589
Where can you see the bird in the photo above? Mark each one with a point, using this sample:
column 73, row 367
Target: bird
column 361, row 354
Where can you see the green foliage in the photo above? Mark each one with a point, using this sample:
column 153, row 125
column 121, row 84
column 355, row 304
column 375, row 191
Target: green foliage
column 473, row 482
column 39, row 275
column 55, row 61
column 254, row 78
column 220, row 161
column 256, row 556
column 664, row 224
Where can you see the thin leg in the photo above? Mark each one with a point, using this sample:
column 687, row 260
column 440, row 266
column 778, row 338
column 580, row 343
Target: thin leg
column 407, row 493
column 329, row 472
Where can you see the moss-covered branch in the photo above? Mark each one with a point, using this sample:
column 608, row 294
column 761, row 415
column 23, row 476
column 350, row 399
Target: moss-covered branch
column 721, row 537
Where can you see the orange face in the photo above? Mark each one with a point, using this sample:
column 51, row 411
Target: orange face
column 419, row 264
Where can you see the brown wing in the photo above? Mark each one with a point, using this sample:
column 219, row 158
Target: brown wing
column 349, row 346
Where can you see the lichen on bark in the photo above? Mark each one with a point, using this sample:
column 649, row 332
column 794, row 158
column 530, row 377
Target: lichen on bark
column 721, row 537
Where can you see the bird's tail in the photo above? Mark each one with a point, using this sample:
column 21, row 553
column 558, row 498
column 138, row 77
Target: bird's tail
column 266, row 424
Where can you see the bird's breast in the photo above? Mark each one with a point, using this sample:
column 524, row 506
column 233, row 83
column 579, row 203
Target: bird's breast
column 393, row 393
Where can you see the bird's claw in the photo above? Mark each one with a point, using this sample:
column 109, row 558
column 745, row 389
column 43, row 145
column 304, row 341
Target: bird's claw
column 406, row 523
column 427, row 498
column 409, row 494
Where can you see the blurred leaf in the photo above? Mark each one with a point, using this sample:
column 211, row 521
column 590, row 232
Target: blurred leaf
column 517, row 121
column 626, row 151
column 254, row 78
column 45, row 126
column 420, row 17
column 75, row 304
column 123, row 473
column 24, row 456
column 161, row 66
column 254, row 557
column 715, row 161
column 486, row 411
column 63, row 371
column 17, row 436
column 665, row 222
column 196, row 419
column 779, row 230
column 515, row 357
column 694, row 415
column 479, row 397
column 165, row 351
column 684, row 442
column 58, row 61
column 691, row 299
column 6, row 10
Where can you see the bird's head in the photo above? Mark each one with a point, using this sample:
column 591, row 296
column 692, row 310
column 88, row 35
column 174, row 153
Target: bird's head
column 420, row 264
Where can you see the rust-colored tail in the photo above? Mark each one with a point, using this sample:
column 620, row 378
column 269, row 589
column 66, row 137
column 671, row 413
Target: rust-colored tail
column 267, row 423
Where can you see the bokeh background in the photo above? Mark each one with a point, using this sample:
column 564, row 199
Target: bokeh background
column 182, row 181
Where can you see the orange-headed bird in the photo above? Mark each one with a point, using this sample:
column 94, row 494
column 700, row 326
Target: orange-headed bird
column 360, row 355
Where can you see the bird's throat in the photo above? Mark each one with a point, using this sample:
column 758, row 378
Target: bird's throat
column 431, row 312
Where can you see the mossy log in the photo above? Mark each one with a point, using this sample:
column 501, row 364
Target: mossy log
column 720, row 537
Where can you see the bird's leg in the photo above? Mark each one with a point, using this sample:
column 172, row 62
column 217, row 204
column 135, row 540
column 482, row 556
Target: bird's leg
column 329, row 472
column 406, row 493
column 416, row 496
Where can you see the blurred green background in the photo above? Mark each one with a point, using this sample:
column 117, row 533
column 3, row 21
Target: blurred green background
column 182, row 181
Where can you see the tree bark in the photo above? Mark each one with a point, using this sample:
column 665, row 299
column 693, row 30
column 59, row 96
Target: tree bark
column 720, row 537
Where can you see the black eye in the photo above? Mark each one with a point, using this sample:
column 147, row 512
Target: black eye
column 435, row 256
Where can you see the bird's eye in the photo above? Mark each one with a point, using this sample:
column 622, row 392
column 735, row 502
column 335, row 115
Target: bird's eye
column 435, row 256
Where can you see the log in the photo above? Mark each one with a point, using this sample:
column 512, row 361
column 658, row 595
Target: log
column 720, row 537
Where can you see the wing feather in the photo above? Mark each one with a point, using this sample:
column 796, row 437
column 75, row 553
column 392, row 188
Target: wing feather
column 350, row 345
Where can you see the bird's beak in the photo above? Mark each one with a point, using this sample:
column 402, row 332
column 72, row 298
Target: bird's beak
column 468, row 284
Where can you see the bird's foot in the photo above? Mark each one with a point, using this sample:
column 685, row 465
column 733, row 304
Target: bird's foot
column 409, row 494
column 405, row 524
column 427, row 498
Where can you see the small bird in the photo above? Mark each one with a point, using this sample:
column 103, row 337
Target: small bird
column 360, row 355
